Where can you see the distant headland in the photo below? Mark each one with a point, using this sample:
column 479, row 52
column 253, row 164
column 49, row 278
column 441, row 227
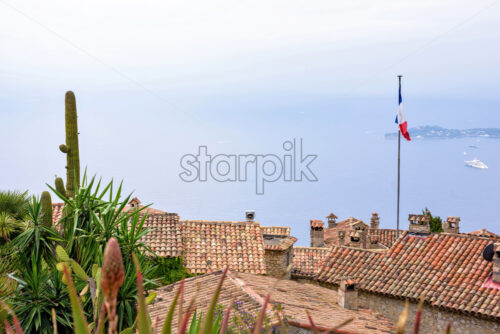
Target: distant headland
column 433, row 131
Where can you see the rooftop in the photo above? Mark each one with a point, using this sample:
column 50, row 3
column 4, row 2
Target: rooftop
column 275, row 230
column 249, row 291
column 213, row 245
column 484, row 233
column 307, row 261
column 447, row 270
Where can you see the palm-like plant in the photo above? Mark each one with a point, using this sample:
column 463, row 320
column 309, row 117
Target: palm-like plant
column 14, row 203
column 9, row 226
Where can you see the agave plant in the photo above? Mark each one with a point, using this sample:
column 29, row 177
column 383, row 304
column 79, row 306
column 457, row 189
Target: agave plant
column 91, row 218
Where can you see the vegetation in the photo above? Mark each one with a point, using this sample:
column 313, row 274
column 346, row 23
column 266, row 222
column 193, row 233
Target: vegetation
column 37, row 253
column 435, row 222
column 169, row 270
column 14, row 203
column 13, row 210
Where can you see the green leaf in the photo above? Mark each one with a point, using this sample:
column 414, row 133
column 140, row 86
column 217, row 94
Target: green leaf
column 79, row 272
column 151, row 298
column 79, row 320
column 143, row 318
column 209, row 319
column 167, row 325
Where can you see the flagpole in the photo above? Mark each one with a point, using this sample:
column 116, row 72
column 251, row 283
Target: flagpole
column 399, row 169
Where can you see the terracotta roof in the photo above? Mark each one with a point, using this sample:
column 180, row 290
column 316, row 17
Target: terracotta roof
column 484, row 233
column 213, row 245
column 249, row 291
column 385, row 236
column 278, row 242
column 307, row 261
column 57, row 210
column 275, row 230
column 343, row 262
column 164, row 236
column 331, row 216
column 447, row 270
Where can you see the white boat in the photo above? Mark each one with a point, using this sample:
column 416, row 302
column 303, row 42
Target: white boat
column 476, row 163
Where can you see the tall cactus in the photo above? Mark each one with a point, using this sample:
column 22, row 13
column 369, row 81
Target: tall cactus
column 60, row 186
column 46, row 208
column 71, row 147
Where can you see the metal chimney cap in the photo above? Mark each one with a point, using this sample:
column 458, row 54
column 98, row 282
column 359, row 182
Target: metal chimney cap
column 250, row 215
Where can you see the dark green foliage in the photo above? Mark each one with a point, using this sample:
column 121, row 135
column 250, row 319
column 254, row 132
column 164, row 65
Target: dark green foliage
column 36, row 239
column 39, row 286
column 14, row 203
column 40, row 290
column 71, row 148
column 59, row 183
column 46, row 208
column 169, row 270
column 436, row 222
column 91, row 218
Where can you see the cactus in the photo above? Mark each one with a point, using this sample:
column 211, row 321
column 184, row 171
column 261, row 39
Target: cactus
column 46, row 208
column 71, row 147
column 60, row 186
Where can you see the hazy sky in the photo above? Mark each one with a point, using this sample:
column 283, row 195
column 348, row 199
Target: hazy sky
column 155, row 79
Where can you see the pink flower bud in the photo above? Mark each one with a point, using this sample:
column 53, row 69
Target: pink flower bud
column 113, row 272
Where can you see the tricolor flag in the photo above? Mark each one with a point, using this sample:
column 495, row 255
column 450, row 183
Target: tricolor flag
column 401, row 118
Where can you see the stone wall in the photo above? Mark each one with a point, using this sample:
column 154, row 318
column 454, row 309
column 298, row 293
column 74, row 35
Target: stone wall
column 433, row 320
column 278, row 261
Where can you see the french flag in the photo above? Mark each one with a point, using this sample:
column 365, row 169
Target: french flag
column 401, row 118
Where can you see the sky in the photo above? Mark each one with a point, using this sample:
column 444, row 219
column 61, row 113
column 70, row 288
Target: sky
column 156, row 79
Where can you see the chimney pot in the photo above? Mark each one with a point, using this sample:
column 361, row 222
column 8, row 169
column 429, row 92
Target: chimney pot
column 348, row 294
column 451, row 225
column 317, row 233
column 419, row 224
column 250, row 215
column 374, row 220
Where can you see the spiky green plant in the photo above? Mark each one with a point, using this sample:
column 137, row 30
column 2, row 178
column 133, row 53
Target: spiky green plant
column 71, row 147
column 46, row 208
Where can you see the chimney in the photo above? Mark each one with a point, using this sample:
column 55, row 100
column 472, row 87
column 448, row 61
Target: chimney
column 419, row 224
column 357, row 238
column 332, row 220
column 317, row 233
column 496, row 263
column 373, row 242
column 451, row 225
column 348, row 294
column 341, row 238
column 374, row 220
column 134, row 202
